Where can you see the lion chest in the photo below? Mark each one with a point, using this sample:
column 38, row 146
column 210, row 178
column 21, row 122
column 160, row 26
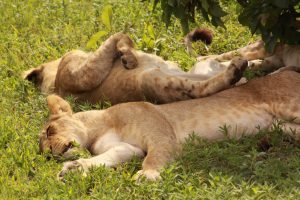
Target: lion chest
column 105, row 142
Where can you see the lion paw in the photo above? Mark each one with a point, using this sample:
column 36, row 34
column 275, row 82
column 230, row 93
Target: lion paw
column 255, row 64
column 151, row 175
column 236, row 69
column 128, row 59
column 71, row 166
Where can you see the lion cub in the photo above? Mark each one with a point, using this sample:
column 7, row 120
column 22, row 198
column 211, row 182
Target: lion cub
column 259, row 58
column 116, row 72
column 155, row 132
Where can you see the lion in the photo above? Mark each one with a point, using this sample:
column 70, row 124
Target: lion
column 155, row 132
column 259, row 58
column 118, row 73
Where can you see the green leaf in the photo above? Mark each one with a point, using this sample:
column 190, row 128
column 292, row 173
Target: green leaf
column 280, row 3
column 204, row 14
column 155, row 4
column 151, row 31
column 93, row 41
column 205, row 5
column 271, row 44
column 167, row 13
column 172, row 3
column 271, row 19
column 216, row 11
column 217, row 22
column 185, row 26
column 106, row 16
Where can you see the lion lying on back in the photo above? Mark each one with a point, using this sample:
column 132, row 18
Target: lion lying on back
column 154, row 132
column 118, row 73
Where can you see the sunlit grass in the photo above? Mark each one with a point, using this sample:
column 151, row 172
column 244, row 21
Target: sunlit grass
column 33, row 32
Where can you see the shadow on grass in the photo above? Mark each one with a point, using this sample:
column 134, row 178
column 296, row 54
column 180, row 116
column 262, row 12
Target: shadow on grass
column 270, row 157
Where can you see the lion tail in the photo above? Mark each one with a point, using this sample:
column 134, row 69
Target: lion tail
column 197, row 34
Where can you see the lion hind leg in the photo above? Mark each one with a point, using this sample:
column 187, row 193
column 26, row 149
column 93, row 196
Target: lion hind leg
column 159, row 153
column 268, row 64
column 175, row 87
column 155, row 160
column 222, row 81
column 79, row 71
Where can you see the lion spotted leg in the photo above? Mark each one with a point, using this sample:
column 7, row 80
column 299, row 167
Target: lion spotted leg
column 174, row 87
column 119, row 153
column 250, row 52
column 224, row 80
column 268, row 64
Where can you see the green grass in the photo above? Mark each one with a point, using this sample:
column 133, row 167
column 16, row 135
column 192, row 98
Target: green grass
column 33, row 32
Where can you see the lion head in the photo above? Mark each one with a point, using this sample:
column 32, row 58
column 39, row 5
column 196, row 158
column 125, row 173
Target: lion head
column 62, row 130
column 43, row 76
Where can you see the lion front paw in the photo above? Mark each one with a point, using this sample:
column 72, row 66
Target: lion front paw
column 128, row 59
column 72, row 166
column 152, row 175
column 236, row 69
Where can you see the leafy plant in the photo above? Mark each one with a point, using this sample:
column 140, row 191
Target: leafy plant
column 185, row 11
column 275, row 20
column 106, row 19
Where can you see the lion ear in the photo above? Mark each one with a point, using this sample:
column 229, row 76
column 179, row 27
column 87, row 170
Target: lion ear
column 57, row 105
column 33, row 74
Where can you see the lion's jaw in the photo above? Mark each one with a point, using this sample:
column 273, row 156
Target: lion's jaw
column 63, row 133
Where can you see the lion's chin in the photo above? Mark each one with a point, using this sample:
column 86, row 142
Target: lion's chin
column 75, row 153
column 71, row 153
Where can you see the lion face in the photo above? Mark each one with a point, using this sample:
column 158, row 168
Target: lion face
column 60, row 135
column 62, row 130
column 43, row 76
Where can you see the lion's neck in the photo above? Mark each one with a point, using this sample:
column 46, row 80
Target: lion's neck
column 94, row 121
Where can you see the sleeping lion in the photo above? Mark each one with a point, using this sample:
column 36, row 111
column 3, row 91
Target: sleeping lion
column 155, row 132
column 284, row 56
column 119, row 73
column 259, row 59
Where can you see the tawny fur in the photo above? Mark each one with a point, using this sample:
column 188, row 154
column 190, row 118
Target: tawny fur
column 259, row 59
column 119, row 73
column 155, row 132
